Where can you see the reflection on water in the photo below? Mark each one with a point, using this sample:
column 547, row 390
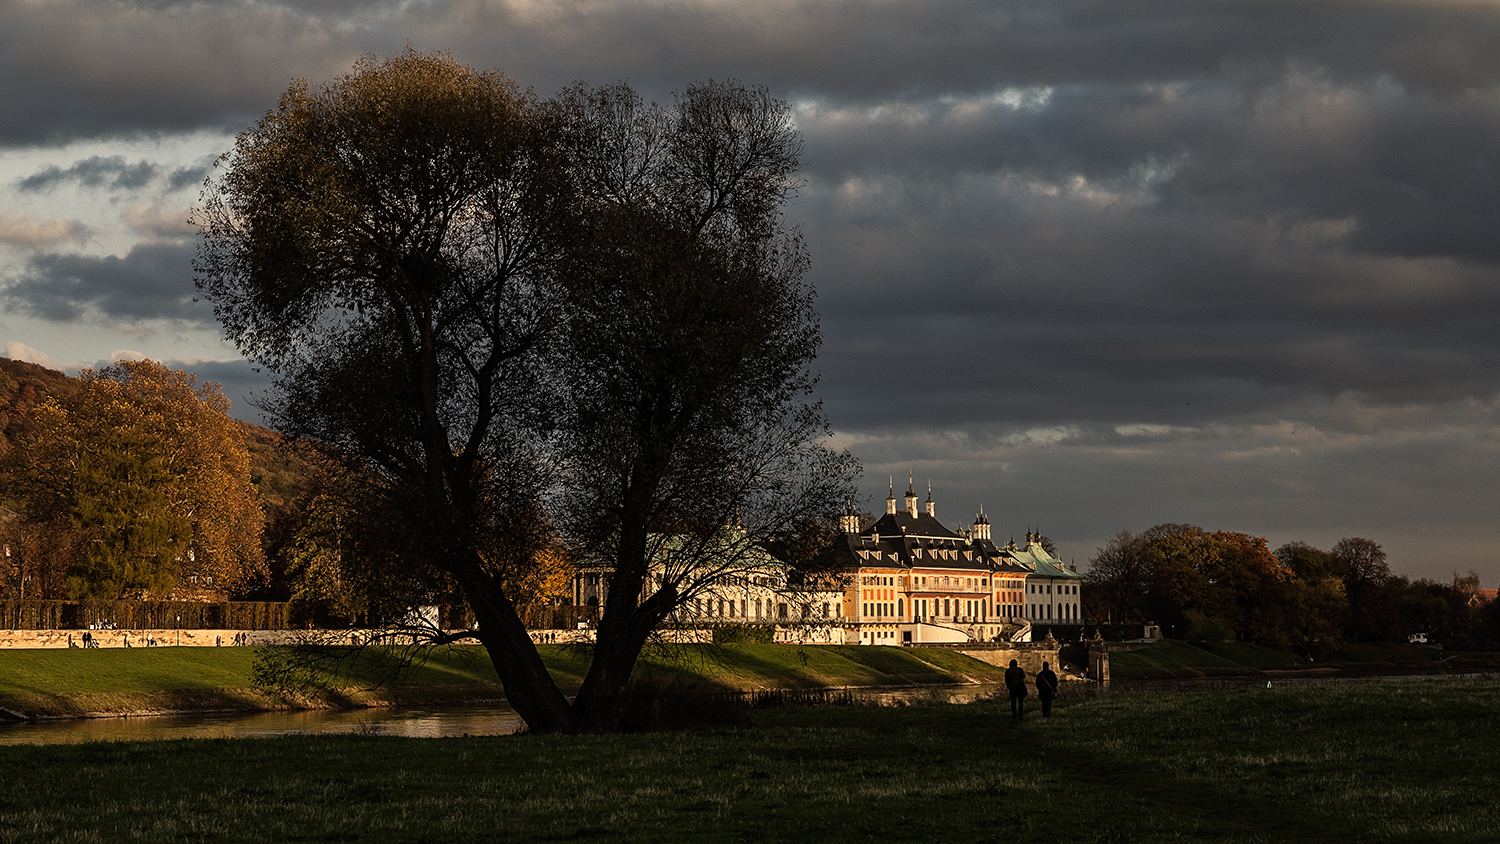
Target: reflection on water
column 486, row 720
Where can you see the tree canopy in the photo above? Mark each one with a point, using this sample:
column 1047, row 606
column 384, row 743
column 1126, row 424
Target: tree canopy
column 509, row 318
column 142, row 483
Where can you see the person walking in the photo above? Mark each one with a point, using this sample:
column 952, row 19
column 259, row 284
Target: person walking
column 1015, row 683
column 1046, row 689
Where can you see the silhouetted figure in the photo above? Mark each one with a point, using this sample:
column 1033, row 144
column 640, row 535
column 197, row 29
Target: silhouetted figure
column 1015, row 683
column 1046, row 689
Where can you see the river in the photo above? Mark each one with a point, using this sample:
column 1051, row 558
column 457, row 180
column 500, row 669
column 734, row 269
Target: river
column 499, row 720
column 409, row 722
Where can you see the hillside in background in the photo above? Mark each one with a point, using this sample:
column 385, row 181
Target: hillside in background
column 23, row 386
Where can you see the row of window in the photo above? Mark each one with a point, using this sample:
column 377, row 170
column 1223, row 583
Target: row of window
column 923, row 582
column 721, row 608
column 1065, row 612
column 955, row 608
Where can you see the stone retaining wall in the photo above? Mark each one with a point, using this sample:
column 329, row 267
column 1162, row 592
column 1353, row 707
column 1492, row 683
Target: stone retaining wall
column 1029, row 655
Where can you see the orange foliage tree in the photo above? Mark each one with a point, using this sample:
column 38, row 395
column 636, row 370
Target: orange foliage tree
column 143, row 467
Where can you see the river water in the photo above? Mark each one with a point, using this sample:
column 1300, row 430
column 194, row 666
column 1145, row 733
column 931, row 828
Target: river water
column 499, row 720
column 410, row 722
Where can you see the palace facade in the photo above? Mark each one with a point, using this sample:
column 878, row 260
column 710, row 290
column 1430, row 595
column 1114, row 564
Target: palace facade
column 913, row 580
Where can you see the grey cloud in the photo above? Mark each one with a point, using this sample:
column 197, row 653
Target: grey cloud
column 243, row 384
column 113, row 173
column 153, row 281
column 94, row 172
column 183, row 177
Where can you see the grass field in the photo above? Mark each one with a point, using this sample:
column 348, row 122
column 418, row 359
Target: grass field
column 76, row 682
column 1177, row 658
column 1375, row 762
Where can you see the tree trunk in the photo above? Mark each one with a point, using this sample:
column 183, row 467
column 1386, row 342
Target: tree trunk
column 529, row 688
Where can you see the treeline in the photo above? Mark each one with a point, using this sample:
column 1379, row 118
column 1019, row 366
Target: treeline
column 132, row 482
column 1220, row 585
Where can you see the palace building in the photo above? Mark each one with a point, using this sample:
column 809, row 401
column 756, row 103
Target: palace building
column 906, row 579
column 913, row 580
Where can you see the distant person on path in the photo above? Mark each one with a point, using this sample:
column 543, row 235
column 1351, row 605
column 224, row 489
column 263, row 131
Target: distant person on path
column 1046, row 689
column 1015, row 683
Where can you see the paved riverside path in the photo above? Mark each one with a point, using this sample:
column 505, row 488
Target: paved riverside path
column 164, row 638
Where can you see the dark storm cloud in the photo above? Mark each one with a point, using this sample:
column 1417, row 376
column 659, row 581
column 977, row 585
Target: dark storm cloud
column 78, row 69
column 153, row 281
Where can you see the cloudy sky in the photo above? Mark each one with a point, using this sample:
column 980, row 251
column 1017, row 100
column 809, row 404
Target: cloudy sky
column 1091, row 264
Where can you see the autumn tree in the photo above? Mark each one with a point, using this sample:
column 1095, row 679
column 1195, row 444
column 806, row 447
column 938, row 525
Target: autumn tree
column 143, row 468
column 485, row 305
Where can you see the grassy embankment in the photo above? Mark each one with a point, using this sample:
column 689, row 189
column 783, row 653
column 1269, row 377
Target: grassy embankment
column 42, row 683
column 1406, row 762
column 1170, row 658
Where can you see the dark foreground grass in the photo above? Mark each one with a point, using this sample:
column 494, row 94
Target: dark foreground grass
column 1378, row 762
column 1173, row 658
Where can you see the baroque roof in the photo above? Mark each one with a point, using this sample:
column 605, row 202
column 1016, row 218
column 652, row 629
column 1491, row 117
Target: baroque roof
column 903, row 540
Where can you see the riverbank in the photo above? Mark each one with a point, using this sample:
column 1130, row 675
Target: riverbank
column 138, row 681
column 1377, row 762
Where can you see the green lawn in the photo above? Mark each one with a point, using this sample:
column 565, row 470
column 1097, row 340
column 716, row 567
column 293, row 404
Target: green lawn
column 1402, row 762
column 77, row 681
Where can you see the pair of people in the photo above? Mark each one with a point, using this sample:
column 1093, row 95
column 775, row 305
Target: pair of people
column 1015, row 683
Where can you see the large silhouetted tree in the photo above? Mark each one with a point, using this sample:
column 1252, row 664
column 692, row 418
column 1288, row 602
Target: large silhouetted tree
column 509, row 316
column 689, row 335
